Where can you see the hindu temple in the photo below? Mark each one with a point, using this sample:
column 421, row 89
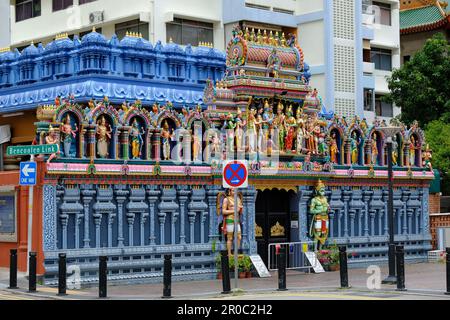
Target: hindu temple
column 142, row 131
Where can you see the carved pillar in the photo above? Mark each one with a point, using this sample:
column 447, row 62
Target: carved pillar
column 366, row 197
column 304, row 195
column 406, row 153
column 248, row 232
column 156, row 144
column 197, row 206
column 347, row 148
column 425, row 226
column 168, row 206
column 351, row 214
column 115, row 142
column 191, row 216
column 125, row 143
column 82, row 143
column 101, row 207
column 111, row 216
column 91, row 140
column 88, row 194
column 406, row 214
column 71, row 206
column 121, row 193
column 130, row 220
column 331, row 215
column 148, row 139
column 153, row 193
column 64, row 218
column 346, row 197
column 183, row 195
column 372, row 213
column 187, row 140
column 212, row 200
column 97, row 222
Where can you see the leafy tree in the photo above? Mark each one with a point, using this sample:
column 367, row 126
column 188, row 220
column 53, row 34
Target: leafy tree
column 437, row 135
column 421, row 87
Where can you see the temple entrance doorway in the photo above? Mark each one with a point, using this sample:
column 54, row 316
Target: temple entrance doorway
column 273, row 219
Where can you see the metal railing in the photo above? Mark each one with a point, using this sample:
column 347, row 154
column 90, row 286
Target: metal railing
column 295, row 255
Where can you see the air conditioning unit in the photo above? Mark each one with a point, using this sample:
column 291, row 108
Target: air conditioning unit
column 96, row 17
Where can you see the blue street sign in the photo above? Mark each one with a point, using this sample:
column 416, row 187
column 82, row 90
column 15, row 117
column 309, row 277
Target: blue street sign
column 27, row 173
column 235, row 174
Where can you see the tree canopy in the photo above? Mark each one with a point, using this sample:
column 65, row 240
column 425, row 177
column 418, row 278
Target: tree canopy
column 421, row 87
column 437, row 134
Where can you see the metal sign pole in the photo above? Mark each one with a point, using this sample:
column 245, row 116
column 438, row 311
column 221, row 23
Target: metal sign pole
column 236, row 215
column 30, row 218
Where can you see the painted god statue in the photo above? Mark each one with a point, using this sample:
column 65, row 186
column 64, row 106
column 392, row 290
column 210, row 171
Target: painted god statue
column 427, row 156
column 412, row 151
column 290, row 125
column 374, row 150
column 280, row 125
column 166, row 137
column 251, row 130
column 52, row 138
column 334, row 149
column 354, row 144
column 103, row 137
column 394, row 151
column 136, row 134
column 319, row 210
column 300, row 130
column 239, row 131
column 229, row 217
column 68, row 135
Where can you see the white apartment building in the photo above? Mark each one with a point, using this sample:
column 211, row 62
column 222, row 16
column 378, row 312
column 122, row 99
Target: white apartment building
column 350, row 45
column 4, row 24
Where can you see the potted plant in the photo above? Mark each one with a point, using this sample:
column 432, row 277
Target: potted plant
column 329, row 257
column 248, row 266
column 241, row 267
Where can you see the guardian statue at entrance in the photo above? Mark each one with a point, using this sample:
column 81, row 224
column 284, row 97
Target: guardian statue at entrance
column 228, row 217
column 319, row 210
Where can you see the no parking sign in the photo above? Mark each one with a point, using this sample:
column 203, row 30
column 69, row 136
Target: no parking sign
column 235, row 174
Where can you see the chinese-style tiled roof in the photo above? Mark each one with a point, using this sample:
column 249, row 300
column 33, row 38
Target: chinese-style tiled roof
column 423, row 19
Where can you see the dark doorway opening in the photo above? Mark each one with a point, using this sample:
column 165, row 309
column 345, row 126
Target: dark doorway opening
column 273, row 219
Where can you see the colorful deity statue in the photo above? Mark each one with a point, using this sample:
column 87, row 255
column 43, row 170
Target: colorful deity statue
column 354, row 146
column 230, row 127
column 319, row 210
column 251, row 130
column 394, row 151
column 300, row 130
column 137, row 141
column 228, row 207
column 68, row 135
column 374, row 149
column 166, row 136
column 273, row 64
column 427, row 156
column 280, row 125
column 309, row 135
column 316, row 137
column 412, row 151
column 334, row 149
column 290, row 125
column 239, row 131
column 323, row 148
column 103, row 137
column 196, row 147
column 52, row 138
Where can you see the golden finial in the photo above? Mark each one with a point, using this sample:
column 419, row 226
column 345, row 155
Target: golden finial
column 277, row 39
column 6, row 49
column 283, row 40
column 170, row 40
column 93, row 29
column 140, row 35
column 127, row 34
column 32, row 43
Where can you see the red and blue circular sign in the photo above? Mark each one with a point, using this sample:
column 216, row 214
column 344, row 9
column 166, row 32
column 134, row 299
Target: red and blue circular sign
column 235, row 174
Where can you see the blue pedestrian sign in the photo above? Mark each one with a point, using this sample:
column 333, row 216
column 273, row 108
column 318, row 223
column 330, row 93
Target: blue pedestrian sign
column 27, row 173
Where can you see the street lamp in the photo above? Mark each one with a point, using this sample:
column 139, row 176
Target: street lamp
column 391, row 279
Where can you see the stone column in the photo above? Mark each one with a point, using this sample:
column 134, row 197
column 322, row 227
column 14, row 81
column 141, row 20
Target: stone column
column 88, row 194
column 130, row 220
column 121, row 193
column 366, row 197
column 82, row 143
column 64, row 218
column 91, row 140
column 212, row 192
column 406, row 214
column 148, row 148
column 187, row 140
column 153, row 193
column 248, row 235
column 156, row 144
column 346, row 197
column 183, row 195
column 304, row 195
column 347, row 148
column 125, row 143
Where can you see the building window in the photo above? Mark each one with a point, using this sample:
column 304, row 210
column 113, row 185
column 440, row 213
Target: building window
column 186, row 32
column 61, row 4
column 368, row 99
column 384, row 10
column 383, row 109
column 80, row 2
column 382, row 59
column 26, row 9
column 135, row 26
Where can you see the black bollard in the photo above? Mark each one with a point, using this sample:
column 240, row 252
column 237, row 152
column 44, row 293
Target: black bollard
column 62, row 275
column 32, row 272
column 448, row 270
column 225, row 272
column 13, row 269
column 343, row 269
column 102, row 277
column 400, row 257
column 167, row 276
column 281, row 261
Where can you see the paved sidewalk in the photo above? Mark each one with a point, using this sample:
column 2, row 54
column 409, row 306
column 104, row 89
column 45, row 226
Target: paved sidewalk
column 422, row 279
